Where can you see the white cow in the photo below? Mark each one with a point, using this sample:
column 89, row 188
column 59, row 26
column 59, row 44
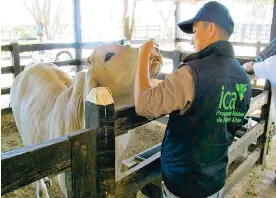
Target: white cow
column 48, row 103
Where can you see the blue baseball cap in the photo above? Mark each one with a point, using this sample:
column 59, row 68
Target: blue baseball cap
column 211, row 12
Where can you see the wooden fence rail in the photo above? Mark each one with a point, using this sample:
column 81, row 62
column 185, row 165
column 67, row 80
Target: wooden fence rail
column 16, row 49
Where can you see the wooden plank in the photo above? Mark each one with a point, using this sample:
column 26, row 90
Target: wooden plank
column 99, row 114
column 5, row 91
column 130, row 163
column 10, row 69
column 238, row 147
column 161, row 76
column 183, row 55
column 84, row 62
column 90, row 45
column 48, row 46
column 16, row 59
column 126, row 119
column 256, row 105
column 62, row 63
column 183, row 40
column 68, row 62
column 167, row 54
column 6, row 48
column 163, row 119
column 83, row 168
column 6, row 111
column 241, row 171
column 149, row 152
column 25, row 165
column 93, row 45
column 156, row 40
column 21, row 57
column 243, row 60
column 139, row 176
column 256, row 91
column 7, row 70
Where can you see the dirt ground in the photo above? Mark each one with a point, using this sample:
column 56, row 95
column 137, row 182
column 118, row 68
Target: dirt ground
column 10, row 139
column 260, row 182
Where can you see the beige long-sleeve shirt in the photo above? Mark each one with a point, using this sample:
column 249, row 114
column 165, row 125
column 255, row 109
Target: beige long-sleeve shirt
column 176, row 92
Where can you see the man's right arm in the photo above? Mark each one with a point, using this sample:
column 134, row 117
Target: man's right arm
column 176, row 92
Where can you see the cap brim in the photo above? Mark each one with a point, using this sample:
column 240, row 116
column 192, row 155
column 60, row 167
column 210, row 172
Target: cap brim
column 187, row 26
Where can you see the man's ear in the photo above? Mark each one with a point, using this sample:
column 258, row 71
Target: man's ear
column 212, row 28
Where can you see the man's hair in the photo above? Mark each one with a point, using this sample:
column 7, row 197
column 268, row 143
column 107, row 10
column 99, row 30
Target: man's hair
column 222, row 32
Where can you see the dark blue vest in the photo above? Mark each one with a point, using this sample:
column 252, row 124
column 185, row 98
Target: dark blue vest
column 195, row 146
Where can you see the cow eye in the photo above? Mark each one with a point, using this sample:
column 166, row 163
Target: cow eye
column 108, row 56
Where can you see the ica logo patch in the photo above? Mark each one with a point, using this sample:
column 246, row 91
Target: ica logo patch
column 227, row 105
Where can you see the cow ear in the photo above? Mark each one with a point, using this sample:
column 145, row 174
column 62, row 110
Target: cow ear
column 88, row 60
column 91, row 81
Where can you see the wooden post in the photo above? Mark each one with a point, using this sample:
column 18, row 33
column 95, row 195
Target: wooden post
column 84, row 164
column 100, row 114
column 68, row 183
column 15, row 59
column 258, row 48
column 177, row 18
column 176, row 59
column 77, row 31
column 268, row 136
column 265, row 115
column 273, row 24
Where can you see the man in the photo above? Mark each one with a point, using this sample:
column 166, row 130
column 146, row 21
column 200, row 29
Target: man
column 265, row 67
column 206, row 99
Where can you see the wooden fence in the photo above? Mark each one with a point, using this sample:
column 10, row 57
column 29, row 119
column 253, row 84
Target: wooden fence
column 88, row 155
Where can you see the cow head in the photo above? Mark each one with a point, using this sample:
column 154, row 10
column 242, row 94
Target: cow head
column 114, row 66
column 112, row 55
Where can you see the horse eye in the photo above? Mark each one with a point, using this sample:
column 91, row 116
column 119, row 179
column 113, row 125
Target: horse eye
column 108, row 56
